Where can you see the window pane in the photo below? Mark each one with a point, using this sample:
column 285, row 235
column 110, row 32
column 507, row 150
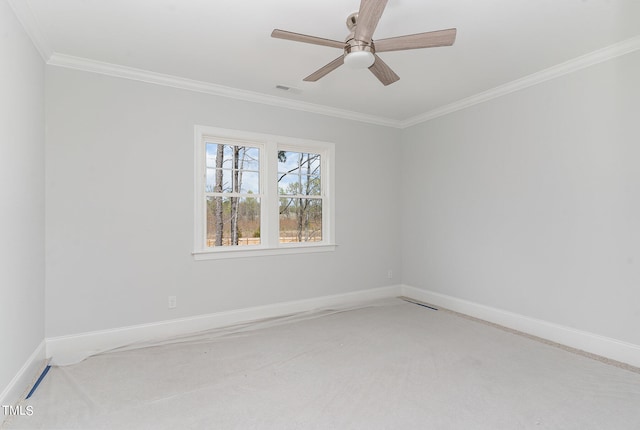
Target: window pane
column 312, row 185
column 218, row 176
column 300, row 220
column 211, row 153
column 249, row 182
column 288, row 184
column 233, row 221
column 290, row 162
column 294, row 184
column 251, row 158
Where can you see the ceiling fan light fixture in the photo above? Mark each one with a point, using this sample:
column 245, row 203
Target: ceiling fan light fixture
column 359, row 59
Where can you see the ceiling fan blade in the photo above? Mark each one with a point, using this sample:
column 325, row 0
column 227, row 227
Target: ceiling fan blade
column 325, row 69
column 368, row 17
column 429, row 39
column 288, row 35
column 383, row 72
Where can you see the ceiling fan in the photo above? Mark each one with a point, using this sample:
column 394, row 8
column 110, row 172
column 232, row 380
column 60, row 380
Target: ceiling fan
column 360, row 49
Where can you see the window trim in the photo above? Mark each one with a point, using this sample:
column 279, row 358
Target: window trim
column 269, row 218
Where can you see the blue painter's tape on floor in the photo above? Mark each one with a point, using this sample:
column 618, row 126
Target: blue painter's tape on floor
column 35, row 386
column 419, row 304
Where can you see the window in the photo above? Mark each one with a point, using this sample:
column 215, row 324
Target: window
column 300, row 192
column 232, row 193
column 260, row 195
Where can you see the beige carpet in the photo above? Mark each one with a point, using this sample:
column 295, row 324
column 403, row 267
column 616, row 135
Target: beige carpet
column 385, row 365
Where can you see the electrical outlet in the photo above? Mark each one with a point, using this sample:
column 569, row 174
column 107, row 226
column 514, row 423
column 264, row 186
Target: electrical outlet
column 389, row 273
column 172, row 302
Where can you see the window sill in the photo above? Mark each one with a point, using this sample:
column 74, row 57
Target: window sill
column 256, row 251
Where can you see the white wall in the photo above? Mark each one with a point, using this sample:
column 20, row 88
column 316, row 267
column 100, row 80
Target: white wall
column 530, row 203
column 21, row 198
column 119, row 200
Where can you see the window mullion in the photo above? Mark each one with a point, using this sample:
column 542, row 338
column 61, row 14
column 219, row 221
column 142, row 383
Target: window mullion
column 271, row 211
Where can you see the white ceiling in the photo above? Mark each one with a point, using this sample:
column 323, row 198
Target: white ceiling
column 228, row 43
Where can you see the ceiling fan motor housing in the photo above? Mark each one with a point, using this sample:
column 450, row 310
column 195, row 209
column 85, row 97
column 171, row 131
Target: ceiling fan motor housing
column 351, row 43
column 354, row 45
column 358, row 54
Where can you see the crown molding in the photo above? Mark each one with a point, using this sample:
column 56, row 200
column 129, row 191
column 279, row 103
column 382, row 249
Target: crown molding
column 25, row 16
column 125, row 72
column 28, row 20
column 573, row 65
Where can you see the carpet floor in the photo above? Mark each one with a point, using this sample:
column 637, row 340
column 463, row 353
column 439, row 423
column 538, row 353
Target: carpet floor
column 388, row 364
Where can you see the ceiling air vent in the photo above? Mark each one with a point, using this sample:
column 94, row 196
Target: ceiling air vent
column 288, row 89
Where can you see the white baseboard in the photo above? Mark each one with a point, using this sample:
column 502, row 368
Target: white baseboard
column 25, row 378
column 74, row 348
column 592, row 343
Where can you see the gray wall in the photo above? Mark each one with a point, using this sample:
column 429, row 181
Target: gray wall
column 531, row 202
column 120, row 206
column 21, row 197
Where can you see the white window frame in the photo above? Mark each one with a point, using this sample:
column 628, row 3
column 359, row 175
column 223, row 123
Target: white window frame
column 269, row 145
